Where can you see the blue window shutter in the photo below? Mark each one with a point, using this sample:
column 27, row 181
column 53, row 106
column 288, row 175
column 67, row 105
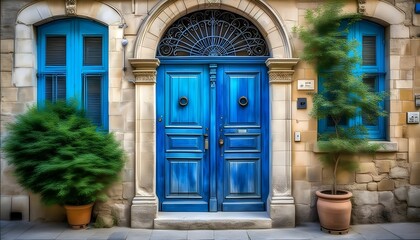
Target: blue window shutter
column 92, row 51
column 49, row 88
column 369, row 50
column 93, row 98
column 55, row 87
column 55, row 54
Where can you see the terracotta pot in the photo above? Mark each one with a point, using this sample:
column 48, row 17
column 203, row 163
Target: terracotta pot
column 78, row 217
column 334, row 211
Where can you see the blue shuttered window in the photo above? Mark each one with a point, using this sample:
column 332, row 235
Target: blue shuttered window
column 73, row 63
column 371, row 50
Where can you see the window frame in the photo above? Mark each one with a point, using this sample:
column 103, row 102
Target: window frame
column 356, row 32
column 75, row 30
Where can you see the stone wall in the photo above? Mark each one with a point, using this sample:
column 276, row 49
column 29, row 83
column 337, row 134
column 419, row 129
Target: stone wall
column 18, row 90
column 386, row 186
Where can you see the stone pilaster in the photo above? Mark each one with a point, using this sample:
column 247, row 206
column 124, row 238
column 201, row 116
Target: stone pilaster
column 281, row 204
column 144, row 207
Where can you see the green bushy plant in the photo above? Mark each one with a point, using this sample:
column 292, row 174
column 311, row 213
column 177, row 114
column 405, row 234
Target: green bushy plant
column 345, row 95
column 58, row 153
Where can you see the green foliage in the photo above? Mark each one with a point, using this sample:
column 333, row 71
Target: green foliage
column 344, row 95
column 58, row 153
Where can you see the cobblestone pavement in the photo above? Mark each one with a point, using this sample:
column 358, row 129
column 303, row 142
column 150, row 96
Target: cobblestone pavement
column 39, row 230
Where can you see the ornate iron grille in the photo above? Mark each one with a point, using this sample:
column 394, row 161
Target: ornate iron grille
column 212, row 33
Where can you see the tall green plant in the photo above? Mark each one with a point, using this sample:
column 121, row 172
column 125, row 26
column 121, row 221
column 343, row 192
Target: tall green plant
column 344, row 94
column 58, row 153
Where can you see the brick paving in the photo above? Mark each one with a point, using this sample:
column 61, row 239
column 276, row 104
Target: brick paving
column 14, row 230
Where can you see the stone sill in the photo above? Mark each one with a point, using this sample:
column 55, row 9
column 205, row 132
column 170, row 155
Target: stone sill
column 387, row 147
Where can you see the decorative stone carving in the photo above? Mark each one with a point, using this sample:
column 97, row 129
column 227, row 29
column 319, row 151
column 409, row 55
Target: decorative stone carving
column 212, row 3
column 361, row 6
column 71, row 7
column 280, row 76
column 146, row 77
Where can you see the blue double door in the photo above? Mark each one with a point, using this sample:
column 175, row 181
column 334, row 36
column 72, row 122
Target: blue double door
column 212, row 132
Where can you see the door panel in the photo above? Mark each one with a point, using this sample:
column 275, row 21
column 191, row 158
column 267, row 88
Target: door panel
column 184, row 177
column 242, row 177
column 183, row 162
column 242, row 91
column 241, row 129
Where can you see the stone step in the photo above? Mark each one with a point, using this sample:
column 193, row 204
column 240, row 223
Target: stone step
column 212, row 220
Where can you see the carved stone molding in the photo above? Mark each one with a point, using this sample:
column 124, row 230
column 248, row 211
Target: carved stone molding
column 280, row 76
column 145, row 70
column 71, row 7
column 146, row 77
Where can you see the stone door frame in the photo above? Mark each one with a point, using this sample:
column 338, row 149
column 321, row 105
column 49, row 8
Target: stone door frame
column 280, row 203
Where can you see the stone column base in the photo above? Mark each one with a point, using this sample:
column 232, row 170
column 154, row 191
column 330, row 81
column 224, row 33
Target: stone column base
column 282, row 212
column 143, row 212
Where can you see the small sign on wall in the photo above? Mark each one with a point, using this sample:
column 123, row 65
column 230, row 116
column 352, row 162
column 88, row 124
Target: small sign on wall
column 413, row 117
column 306, row 85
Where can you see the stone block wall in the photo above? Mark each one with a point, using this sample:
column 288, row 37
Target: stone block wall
column 18, row 92
column 386, row 186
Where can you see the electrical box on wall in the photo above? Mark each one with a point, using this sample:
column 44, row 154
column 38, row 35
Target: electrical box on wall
column 417, row 100
column 306, row 85
column 301, row 103
column 297, row 136
column 413, row 117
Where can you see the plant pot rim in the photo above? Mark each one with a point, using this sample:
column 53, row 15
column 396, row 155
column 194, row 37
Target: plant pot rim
column 345, row 195
column 78, row 206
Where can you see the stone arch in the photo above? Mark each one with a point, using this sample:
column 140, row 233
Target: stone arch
column 381, row 11
column 260, row 13
column 42, row 11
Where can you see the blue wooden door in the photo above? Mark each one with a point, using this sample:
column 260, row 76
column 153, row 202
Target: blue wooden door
column 182, row 127
column 242, row 120
column 211, row 137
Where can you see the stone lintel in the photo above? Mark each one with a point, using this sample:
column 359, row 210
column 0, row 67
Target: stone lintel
column 144, row 210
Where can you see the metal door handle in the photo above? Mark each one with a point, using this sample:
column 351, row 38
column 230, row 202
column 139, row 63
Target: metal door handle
column 221, row 141
column 206, row 143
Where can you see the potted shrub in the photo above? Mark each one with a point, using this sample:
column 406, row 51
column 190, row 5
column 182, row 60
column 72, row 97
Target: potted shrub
column 58, row 153
column 344, row 96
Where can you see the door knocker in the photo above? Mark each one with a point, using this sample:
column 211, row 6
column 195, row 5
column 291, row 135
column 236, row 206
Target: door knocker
column 243, row 101
column 183, row 101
